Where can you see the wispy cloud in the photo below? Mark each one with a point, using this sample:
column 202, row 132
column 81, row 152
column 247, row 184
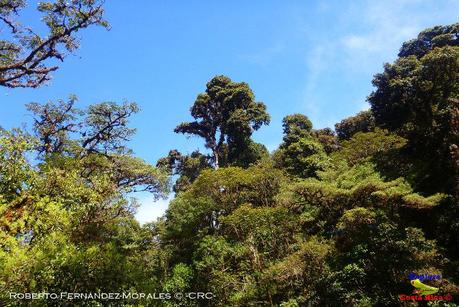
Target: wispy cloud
column 316, row 62
column 362, row 37
column 384, row 25
column 264, row 57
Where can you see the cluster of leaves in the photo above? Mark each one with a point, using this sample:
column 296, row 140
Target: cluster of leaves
column 361, row 122
column 187, row 167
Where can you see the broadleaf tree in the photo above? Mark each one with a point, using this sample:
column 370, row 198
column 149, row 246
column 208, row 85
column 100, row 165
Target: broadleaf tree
column 225, row 116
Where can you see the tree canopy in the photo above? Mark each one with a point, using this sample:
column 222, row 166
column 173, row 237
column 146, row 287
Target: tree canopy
column 417, row 97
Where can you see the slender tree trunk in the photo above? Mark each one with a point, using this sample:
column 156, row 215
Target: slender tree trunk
column 216, row 149
column 455, row 157
column 215, row 152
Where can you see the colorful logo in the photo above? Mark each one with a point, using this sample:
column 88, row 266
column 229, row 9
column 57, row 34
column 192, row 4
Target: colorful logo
column 422, row 277
column 423, row 292
column 423, row 289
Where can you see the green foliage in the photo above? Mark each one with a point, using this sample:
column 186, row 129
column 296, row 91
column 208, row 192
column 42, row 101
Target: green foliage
column 16, row 174
column 265, row 229
column 364, row 146
column 247, row 155
column 180, row 279
column 416, row 97
column 296, row 125
column 364, row 237
column 429, row 39
column 187, row 167
column 361, row 122
column 197, row 211
column 327, row 138
column 225, row 117
column 299, row 275
column 303, row 158
column 300, row 154
column 65, row 219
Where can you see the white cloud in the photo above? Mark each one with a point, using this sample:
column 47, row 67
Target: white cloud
column 149, row 209
column 355, row 42
column 384, row 25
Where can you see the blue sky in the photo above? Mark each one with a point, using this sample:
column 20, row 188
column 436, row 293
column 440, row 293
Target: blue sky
column 311, row 57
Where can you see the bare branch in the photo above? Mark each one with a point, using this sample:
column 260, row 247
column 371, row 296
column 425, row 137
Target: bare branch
column 24, row 61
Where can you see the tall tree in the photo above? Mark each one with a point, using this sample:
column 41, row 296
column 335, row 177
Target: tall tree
column 417, row 98
column 295, row 127
column 225, row 116
column 25, row 57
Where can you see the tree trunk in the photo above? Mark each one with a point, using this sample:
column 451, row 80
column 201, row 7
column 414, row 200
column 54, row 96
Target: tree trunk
column 215, row 152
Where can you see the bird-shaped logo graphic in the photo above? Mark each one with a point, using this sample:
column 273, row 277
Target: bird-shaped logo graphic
column 423, row 289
